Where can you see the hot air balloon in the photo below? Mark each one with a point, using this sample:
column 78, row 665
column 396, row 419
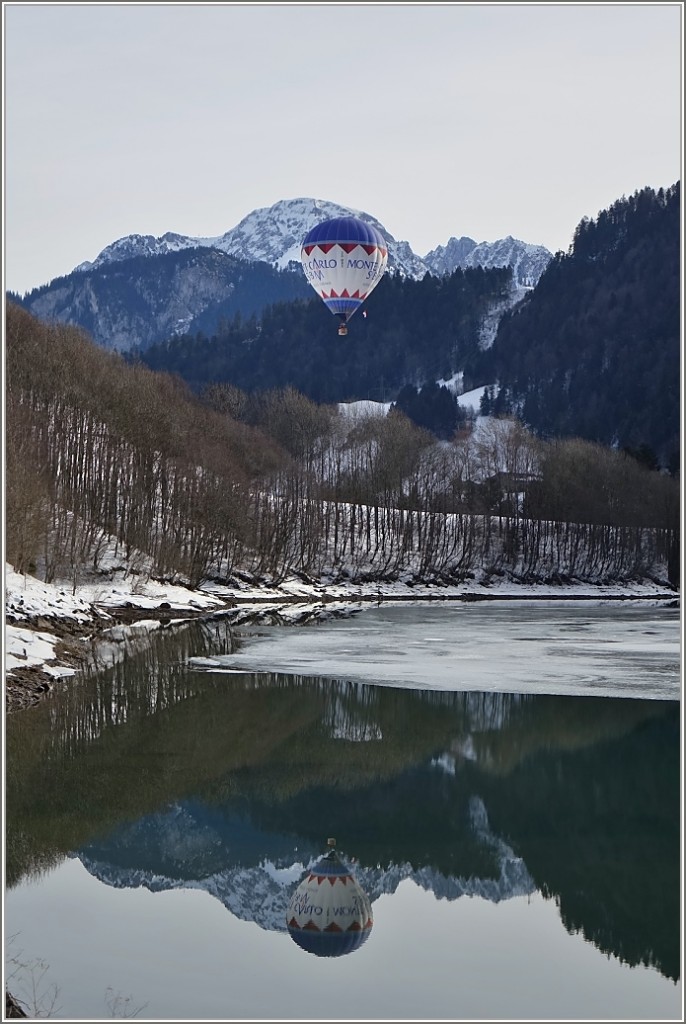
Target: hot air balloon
column 329, row 914
column 344, row 259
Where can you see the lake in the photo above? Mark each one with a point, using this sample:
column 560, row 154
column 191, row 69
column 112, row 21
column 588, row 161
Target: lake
column 502, row 780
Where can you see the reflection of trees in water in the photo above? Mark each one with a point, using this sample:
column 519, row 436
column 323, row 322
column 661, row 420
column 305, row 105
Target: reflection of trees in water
column 582, row 788
column 137, row 675
column 138, row 672
column 535, row 723
column 599, row 830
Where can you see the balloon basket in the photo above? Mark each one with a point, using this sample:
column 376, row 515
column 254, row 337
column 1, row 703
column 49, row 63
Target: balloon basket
column 342, row 331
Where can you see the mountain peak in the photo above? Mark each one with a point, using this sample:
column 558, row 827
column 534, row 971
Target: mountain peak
column 273, row 234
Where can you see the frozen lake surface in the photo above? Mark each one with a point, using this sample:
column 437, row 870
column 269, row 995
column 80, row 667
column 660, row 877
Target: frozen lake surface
column 565, row 648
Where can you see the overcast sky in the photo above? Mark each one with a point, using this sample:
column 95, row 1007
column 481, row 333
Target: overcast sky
column 439, row 120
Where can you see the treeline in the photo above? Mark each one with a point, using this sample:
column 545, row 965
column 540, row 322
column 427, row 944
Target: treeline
column 414, row 332
column 269, row 483
column 594, row 350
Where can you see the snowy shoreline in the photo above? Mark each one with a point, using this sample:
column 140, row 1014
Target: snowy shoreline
column 49, row 627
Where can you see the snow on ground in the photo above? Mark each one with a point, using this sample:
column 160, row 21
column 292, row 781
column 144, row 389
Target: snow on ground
column 471, row 399
column 362, row 409
column 468, row 400
column 142, row 593
column 29, row 601
column 27, row 648
column 28, row 598
column 454, row 383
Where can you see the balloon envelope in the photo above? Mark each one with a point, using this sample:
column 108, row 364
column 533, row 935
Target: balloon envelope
column 329, row 914
column 344, row 259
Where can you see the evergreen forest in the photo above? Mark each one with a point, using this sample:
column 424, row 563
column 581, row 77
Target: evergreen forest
column 594, row 349
column 414, row 332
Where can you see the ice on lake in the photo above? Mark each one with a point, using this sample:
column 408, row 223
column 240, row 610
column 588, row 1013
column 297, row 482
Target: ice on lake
column 562, row 648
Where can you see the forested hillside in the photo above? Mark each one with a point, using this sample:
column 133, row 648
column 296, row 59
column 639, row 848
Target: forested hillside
column 196, row 487
column 414, row 332
column 594, row 350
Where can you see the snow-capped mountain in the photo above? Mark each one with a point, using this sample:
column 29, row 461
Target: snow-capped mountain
column 270, row 235
column 445, row 258
column 527, row 261
column 143, row 289
column 129, row 246
column 274, row 234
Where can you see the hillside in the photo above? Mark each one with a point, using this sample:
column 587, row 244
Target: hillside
column 594, row 350
column 414, row 331
column 585, row 344
column 137, row 300
column 99, row 452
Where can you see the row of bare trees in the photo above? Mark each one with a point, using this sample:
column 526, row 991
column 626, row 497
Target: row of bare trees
column 100, row 452
column 103, row 455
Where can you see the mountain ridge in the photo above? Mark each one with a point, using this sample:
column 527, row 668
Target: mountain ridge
column 274, row 234
column 143, row 289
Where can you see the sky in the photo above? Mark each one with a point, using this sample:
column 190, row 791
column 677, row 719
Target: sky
column 439, row 120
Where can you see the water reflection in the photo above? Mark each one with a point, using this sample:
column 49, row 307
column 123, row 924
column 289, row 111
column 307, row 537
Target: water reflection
column 329, row 914
column 161, row 777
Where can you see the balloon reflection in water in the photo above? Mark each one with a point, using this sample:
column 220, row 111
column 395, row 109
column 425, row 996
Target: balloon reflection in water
column 329, row 914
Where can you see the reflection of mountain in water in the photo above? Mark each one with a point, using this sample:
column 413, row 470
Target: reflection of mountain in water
column 172, row 850
column 585, row 790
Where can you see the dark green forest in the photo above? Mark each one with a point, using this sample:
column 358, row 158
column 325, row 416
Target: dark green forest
column 594, row 350
column 414, row 332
